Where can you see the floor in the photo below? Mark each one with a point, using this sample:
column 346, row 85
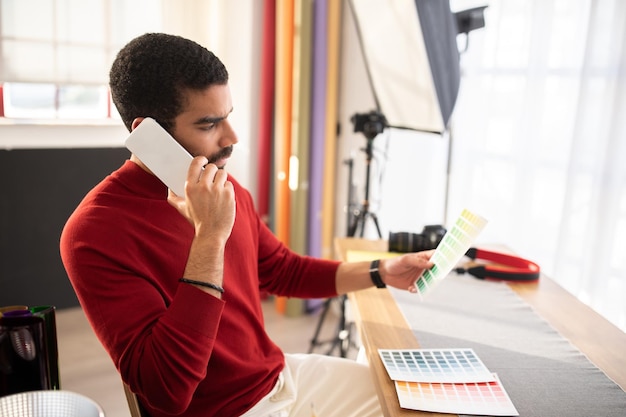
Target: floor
column 87, row 369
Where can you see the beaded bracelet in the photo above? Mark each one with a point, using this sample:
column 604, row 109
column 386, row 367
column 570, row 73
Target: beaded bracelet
column 203, row 284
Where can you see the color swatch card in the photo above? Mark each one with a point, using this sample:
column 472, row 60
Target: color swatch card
column 480, row 398
column 434, row 365
column 446, row 381
column 451, row 249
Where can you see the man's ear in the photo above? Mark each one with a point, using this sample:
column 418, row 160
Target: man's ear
column 136, row 122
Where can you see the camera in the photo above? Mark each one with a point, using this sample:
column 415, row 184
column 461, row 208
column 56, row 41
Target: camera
column 370, row 124
column 405, row 242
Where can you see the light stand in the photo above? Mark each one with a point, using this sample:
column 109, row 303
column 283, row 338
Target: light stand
column 350, row 214
column 364, row 212
column 370, row 124
column 342, row 338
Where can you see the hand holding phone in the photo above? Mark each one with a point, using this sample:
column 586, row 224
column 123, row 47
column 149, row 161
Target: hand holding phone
column 161, row 153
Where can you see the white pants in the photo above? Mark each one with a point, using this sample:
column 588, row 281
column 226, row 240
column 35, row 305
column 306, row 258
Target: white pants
column 320, row 386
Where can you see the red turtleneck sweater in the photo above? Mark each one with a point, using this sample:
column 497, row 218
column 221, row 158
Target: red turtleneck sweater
column 183, row 351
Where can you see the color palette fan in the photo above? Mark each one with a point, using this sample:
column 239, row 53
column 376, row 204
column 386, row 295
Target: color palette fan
column 446, row 381
column 451, row 249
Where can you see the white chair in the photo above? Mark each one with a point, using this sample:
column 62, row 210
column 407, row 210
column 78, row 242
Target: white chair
column 49, row 403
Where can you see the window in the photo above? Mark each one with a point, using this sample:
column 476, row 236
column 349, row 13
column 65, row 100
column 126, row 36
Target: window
column 54, row 63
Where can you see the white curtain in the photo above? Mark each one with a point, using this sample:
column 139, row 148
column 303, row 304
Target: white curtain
column 539, row 140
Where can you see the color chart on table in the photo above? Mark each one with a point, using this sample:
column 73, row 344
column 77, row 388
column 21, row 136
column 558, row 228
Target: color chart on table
column 434, row 365
column 451, row 249
column 480, row 398
column 446, row 381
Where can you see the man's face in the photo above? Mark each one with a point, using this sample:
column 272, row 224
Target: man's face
column 202, row 128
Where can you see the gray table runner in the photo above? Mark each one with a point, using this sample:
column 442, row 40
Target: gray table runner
column 543, row 373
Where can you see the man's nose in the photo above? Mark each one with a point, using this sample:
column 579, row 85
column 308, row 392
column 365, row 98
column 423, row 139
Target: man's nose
column 229, row 137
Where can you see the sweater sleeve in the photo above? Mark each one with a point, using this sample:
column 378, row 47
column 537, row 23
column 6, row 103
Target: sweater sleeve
column 284, row 272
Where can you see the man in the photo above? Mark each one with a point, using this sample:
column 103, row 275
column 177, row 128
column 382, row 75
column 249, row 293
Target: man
column 171, row 284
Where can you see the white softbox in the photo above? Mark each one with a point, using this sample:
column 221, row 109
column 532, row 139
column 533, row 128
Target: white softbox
column 412, row 60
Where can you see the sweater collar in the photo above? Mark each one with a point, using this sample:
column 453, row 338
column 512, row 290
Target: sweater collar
column 140, row 181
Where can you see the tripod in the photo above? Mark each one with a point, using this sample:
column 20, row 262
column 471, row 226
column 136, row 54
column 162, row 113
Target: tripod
column 364, row 212
column 371, row 125
column 342, row 338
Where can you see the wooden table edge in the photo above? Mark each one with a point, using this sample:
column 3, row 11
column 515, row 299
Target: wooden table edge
column 382, row 326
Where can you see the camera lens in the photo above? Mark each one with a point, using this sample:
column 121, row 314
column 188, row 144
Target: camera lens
column 405, row 242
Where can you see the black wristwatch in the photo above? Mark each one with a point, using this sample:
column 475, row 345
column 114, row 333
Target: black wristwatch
column 375, row 275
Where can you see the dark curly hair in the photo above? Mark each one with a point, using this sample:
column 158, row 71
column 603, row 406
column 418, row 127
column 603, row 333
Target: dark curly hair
column 151, row 73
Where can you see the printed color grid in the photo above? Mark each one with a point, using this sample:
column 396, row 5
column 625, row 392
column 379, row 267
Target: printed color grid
column 451, row 249
column 481, row 398
column 434, row 365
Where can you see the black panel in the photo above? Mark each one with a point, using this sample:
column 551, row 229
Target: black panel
column 439, row 31
column 40, row 189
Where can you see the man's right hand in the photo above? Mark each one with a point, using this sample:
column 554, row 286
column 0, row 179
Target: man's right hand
column 209, row 201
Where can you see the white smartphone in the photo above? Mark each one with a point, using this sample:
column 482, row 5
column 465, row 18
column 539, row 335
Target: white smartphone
column 160, row 152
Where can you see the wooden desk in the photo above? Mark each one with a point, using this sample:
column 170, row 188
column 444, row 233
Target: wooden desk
column 381, row 324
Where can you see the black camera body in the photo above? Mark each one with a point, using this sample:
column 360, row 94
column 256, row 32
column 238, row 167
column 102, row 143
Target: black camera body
column 405, row 242
column 370, row 124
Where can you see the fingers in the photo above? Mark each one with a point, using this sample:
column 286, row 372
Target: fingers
column 196, row 169
column 202, row 175
column 418, row 260
column 206, row 174
column 200, row 169
column 424, row 255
